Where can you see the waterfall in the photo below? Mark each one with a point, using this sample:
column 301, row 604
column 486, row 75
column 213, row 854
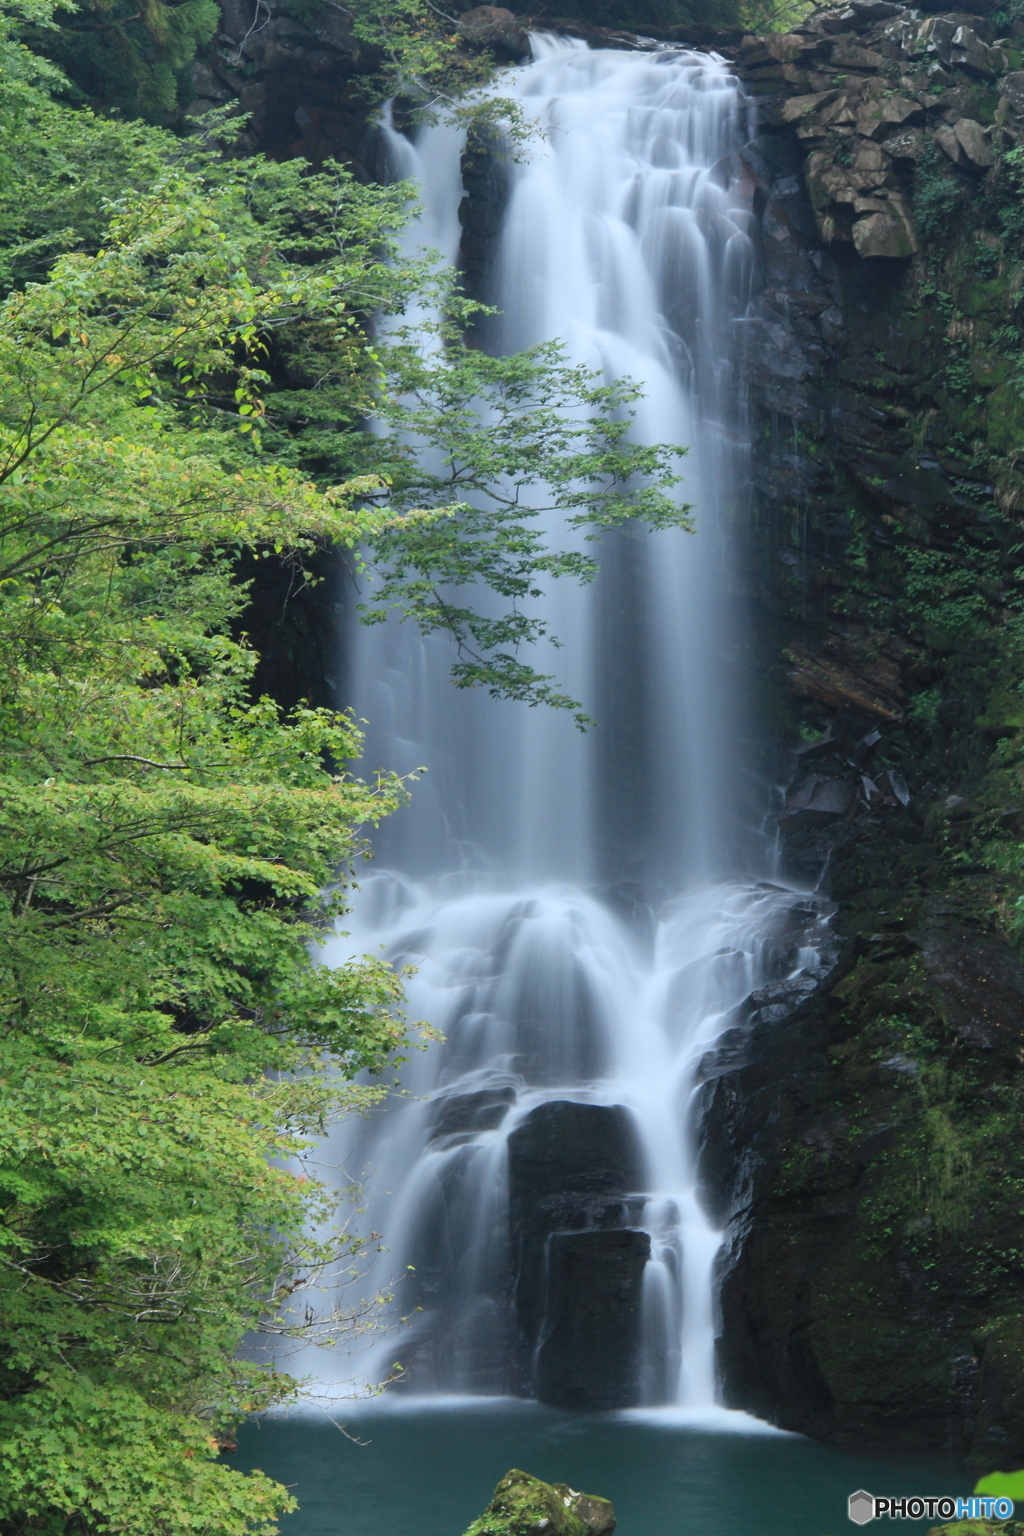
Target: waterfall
column 587, row 914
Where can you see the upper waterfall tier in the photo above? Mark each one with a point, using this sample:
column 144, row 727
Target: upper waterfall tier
column 625, row 236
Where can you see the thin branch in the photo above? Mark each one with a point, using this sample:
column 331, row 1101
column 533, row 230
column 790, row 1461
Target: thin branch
column 128, row 757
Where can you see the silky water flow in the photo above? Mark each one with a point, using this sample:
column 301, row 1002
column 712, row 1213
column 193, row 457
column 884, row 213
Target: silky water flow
column 588, row 914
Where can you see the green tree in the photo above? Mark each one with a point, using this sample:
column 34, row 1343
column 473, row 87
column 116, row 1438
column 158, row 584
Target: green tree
column 129, row 54
column 169, row 855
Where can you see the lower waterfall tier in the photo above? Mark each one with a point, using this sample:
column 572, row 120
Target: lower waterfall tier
column 540, row 1183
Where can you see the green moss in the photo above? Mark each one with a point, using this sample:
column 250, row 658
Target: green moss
column 525, row 1506
column 1005, row 419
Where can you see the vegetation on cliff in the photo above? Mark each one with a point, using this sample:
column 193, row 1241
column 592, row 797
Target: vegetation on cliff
column 877, row 1293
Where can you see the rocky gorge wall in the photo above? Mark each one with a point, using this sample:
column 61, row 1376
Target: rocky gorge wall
column 864, row 1141
column 864, row 1136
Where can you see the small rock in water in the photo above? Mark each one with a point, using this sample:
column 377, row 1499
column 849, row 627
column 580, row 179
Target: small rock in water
column 524, row 1506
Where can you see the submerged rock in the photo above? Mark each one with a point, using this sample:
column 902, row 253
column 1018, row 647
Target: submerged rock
column 524, row 1506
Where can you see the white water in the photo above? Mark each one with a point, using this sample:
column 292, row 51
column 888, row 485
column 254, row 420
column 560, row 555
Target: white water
column 584, row 912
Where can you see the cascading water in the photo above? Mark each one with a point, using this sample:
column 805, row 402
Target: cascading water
column 582, row 910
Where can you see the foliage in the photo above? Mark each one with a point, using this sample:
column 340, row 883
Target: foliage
column 1008, row 1485
column 1010, row 193
column 167, row 855
column 759, row 16
column 942, row 587
column 516, row 438
column 636, row 15
column 128, row 55
column 936, row 194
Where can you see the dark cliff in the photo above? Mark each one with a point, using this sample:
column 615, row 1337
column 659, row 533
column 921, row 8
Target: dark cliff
column 869, row 1142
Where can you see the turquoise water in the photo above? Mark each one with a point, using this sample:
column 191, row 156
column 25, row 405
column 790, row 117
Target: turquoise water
column 429, row 1470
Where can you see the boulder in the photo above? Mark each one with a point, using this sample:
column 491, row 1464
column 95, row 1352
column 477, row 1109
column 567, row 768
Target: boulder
column 885, row 232
column 571, row 1168
column 1011, row 90
column 947, row 140
column 937, row 36
column 977, row 58
column 816, row 800
column 524, row 1506
column 588, row 1356
column 848, row 55
column 974, row 141
column 876, row 119
column 491, row 26
column 906, row 147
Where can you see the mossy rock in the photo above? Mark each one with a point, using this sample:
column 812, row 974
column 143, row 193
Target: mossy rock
column 979, row 1528
column 524, row 1506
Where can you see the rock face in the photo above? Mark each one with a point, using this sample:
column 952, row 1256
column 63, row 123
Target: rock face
column 865, row 1142
column 574, row 1170
column 299, row 81
column 849, row 1161
column 524, row 1506
column 588, row 1352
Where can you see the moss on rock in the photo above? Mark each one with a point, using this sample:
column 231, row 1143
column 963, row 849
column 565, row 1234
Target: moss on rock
column 979, row 1528
column 525, row 1506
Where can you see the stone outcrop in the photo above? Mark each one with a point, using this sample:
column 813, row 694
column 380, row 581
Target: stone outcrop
column 574, row 1170
column 588, row 1353
column 869, row 91
column 870, row 1296
column 524, row 1506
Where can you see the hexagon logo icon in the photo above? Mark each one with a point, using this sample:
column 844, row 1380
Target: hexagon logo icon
column 861, row 1507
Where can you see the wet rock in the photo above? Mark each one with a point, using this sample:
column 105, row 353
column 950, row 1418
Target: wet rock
column 832, row 1326
column 491, row 26
column 486, row 186
column 459, row 1116
column 980, row 982
column 571, row 1168
column 851, row 1325
column 588, row 1354
column 524, row 1506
